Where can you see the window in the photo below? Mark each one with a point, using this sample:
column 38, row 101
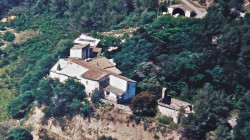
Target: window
column 108, row 93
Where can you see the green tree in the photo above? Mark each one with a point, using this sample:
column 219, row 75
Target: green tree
column 144, row 104
column 134, row 51
column 18, row 106
column 8, row 36
column 44, row 91
column 211, row 109
column 222, row 132
column 242, row 129
column 87, row 109
column 96, row 96
column 19, row 134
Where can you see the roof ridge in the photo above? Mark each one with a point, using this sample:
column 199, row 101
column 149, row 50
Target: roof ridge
column 91, row 66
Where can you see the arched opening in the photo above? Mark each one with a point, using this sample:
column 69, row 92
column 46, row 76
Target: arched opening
column 178, row 11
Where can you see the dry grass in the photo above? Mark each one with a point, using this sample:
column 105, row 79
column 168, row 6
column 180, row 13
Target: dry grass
column 24, row 36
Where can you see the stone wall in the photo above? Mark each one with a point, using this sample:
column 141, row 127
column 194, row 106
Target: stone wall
column 169, row 112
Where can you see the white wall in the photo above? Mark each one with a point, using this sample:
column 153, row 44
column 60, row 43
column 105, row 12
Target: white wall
column 76, row 53
column 170, row 10
column 90, row 85
column 61, row 78
column 118, row 83
column 169, row 112
column 187, row 13
column 111, row 97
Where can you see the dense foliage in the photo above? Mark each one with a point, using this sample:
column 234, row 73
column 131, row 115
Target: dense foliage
column 144, row 104
column 203, row 61
column 8, row 36
column 54, row 24
column 60, row 98
column 19, row 134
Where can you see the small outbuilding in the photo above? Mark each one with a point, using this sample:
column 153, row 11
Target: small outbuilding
column 170, row 106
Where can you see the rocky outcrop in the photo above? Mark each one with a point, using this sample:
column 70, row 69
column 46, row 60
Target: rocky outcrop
column 105, row 122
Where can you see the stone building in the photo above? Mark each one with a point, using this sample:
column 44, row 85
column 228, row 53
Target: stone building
column 170, row 106
column 94, row 73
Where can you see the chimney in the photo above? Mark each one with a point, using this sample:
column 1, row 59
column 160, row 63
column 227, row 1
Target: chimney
column 58, row 67
column 163, row 92
column 165, row 97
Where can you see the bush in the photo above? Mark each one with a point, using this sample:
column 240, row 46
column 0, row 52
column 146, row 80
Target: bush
column 62, row 98
column 106, row 138
column 2, row 27
column 144, row 104
column 96, row 96
column 148, row 17
column 165, row 120
column 18, row 106
column 87, row 109
column 8, row 36
column 19, row 134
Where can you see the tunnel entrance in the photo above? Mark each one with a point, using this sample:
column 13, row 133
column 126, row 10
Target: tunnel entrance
column 178, row 11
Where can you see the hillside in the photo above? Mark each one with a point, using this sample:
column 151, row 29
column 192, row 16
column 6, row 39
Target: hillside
column 204, row 62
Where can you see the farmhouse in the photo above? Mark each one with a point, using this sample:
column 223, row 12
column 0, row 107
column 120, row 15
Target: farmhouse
column 94, row 73
column 181, row 9
column 170, row 107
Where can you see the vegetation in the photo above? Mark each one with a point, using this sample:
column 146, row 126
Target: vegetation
column 96, row 96
column 165, row 120
column 106, row 138
column 87, row 109
column 8, row 36
column 144, row 104
column 202, row 61
column 19, row 134
column 60, row 98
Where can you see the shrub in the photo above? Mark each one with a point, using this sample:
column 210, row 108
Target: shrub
column 106, row 138
column 144, row 104
column 156, row 137
column 165, row 120
column 8, row 36
column 87, row 109
column 96, row 96
column 18, row 106
column 173, row 126
column 2, row 27
column 19, row 134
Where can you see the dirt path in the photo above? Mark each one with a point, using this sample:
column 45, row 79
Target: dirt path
column 201, row 12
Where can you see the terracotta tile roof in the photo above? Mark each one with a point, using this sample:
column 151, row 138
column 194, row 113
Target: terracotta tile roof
column 114, row 90
column 95, row 49
column 182, row 6
column 79, row 46
column 114, row 70
column 101, row 62
column 175, row 104
column 94, row 74
column 91, row 66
